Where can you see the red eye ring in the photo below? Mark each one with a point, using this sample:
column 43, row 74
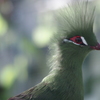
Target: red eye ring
column 76, row 39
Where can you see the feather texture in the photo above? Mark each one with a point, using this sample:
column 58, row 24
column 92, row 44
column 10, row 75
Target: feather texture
column 76, row 18
column 64, row 82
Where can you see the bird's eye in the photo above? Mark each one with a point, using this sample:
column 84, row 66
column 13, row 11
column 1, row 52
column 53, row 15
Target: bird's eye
column 78, row 40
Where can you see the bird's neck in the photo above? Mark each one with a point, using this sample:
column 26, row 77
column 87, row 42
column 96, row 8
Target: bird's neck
column 66, row 73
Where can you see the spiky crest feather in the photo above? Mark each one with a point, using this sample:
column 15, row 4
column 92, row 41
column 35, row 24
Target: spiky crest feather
column 76, row 16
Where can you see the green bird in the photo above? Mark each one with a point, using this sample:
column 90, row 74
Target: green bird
column 73, row 40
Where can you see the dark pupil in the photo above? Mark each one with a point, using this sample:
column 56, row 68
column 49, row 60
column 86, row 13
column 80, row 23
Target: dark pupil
column 78, row 40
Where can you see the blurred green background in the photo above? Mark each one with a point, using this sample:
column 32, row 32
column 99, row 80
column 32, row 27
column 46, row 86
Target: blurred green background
column 26, row 27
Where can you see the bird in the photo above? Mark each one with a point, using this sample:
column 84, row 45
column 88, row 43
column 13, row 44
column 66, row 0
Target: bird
column 69, row 46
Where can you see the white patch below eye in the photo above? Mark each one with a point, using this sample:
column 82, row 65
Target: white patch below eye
column 75, row 43
column 66, row 40
column 84, row 41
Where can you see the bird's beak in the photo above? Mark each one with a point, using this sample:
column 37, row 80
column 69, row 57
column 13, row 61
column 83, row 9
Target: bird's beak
column 97, row 47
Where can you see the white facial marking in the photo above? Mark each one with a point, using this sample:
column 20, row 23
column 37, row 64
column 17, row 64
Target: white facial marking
column 65, row 40
column 76, row 43
column 84, row 41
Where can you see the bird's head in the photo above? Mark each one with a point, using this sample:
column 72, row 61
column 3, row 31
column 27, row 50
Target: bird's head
column 75, row 27
column 83, row 42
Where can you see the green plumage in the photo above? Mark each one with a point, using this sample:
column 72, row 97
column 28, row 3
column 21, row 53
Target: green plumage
column 76, row 19
column 64, row 82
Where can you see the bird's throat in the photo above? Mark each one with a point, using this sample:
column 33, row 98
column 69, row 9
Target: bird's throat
column 66, row 73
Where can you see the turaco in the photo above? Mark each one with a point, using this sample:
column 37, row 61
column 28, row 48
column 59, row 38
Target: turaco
column 72, row 42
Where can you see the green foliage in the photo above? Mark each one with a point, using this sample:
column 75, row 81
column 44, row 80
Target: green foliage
column 3, row 26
